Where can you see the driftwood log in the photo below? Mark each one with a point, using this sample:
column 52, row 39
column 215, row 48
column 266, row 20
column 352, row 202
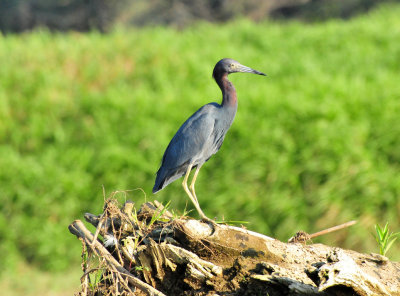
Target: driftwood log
column 150, row 252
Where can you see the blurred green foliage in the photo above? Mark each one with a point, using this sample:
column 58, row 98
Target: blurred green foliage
column 315, row 144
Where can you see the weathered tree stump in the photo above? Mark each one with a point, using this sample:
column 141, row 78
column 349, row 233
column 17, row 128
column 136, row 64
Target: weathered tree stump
column 149, row 252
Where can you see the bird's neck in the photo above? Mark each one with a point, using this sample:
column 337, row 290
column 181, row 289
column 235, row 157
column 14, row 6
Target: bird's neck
column 229, row 97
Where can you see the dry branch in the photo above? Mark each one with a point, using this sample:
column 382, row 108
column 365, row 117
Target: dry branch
column 79, row 229
column 187, row 257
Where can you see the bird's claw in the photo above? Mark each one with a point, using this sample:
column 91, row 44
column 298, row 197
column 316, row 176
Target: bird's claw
column 210, row 222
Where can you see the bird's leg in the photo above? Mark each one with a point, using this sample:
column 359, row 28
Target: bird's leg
column 194, row 181
column 193, row 192
column 203, row 217
column 192, row 197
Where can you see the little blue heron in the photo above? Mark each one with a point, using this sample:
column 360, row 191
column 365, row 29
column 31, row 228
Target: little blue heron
column 202, row 134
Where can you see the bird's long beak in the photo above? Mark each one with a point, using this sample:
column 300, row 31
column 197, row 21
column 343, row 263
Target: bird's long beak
column 244, row 69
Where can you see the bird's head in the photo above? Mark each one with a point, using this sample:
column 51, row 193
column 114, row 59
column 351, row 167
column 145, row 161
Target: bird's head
column 231, row 66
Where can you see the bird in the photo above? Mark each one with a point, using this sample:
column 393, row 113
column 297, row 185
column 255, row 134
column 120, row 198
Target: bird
column 201, row 135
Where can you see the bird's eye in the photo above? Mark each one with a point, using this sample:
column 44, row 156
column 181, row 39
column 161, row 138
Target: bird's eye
column 231, row 65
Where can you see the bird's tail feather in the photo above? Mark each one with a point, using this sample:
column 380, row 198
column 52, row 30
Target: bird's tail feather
column 164, row 178
column 161, row 180
column 158, row 186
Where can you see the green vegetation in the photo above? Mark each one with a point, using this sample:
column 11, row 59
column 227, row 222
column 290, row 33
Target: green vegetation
column 314, row 144
column 157, row 216
column 384, row 238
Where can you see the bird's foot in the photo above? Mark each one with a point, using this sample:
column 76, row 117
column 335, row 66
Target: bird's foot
column 210, row 222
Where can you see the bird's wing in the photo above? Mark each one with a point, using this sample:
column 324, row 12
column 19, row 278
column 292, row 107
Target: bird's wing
column 190, row 140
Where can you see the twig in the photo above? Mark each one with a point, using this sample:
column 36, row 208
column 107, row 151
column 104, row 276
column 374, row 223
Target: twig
column 303, row 237
column 101, row 219
column 78, row 228
column 332, row 229
column 121, row 261
column 84, row 278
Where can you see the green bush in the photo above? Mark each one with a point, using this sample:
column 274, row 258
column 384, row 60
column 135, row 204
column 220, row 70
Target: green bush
column 314, row 144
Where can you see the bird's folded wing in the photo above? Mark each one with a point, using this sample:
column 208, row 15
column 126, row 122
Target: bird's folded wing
column 191, row 141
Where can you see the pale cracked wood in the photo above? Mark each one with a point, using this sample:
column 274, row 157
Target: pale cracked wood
column 295, row 264
column 346, row 272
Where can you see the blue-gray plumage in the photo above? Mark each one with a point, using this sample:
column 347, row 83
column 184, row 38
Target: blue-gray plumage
column 202, row 134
